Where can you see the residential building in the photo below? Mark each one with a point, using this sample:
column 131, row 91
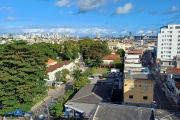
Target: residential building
column 109, row 59
column 165, row 64
column 168, row 41
column 53, row 69
column 51, row 62
column 85, row 102
column 172, row 84
column 132, row 62
column 116, row 45
column 106, row 111
column 138, row 89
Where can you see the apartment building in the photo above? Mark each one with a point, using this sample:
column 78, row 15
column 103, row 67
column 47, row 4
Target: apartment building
column 168, row 41
column 139, row 88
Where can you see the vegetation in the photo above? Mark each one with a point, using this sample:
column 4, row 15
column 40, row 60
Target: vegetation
column 121, row 52
column 61, row 75
column 22, row 74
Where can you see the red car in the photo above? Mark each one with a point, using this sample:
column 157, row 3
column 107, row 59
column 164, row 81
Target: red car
column 101, row 77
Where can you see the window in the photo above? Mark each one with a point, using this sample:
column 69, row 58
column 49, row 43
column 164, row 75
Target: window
column 163, row 32
column 139, row 85
column 131, row 87
column 145, row 97
column 170, row 31
column 178, row 31
column 177, row 27
column 171, row 27
column 145, row 87
column 130, row 96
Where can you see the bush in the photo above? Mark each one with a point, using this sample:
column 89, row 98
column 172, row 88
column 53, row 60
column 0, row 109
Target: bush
column 105, row 75
column 88, row 81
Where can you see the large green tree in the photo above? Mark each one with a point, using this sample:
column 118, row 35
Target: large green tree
column 121, row 52
column 22, row 74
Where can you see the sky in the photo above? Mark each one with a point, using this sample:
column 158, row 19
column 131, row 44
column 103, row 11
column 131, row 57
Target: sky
column 88, row 17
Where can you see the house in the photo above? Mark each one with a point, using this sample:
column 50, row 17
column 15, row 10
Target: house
column 51, row 62
column 172, row 84
column 85, row 102
column 116, row 45
column 109, row 59
column 138, row 89
column 53, row 69
column 106, row 111
column 135, row 52
column 164, row 64
column 132, row 62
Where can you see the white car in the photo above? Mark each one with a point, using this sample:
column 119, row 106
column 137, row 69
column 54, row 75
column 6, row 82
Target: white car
column 154, row 105
column 90, row 77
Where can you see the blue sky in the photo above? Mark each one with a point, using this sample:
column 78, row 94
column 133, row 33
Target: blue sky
column 88, row 17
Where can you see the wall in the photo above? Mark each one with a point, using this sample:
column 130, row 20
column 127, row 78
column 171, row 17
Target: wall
column 70, row 67
column 138, row 91
column 108, row 61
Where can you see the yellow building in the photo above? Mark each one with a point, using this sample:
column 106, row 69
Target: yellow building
column 139, row 88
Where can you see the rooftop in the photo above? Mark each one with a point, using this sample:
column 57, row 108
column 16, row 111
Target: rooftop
column 112, row 43
column 122, row 112
column 111, row 57
column 50, row 61
column 135, row 52
column 138, row 76
column 56, row 66
column 173, row 70
column 93, row 94
column 161, row 114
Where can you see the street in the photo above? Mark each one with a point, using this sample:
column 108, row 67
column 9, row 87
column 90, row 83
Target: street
column 159, row 96
column 42, row 107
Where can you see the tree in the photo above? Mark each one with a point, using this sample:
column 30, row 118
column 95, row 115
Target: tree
column 121, row 52
column 118, row 64
column 77, row 73
column 97, row 50
column 79, row 83
column 22, row 74
column 97, row 62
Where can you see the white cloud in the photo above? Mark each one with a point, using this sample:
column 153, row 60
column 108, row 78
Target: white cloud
column 140, row 32
column 124, row 10
column 172, row 10
column 5, row 8
column 10, row 19
column 62, row 3
column 70, row 12
column 87, row 5
column 124, row 32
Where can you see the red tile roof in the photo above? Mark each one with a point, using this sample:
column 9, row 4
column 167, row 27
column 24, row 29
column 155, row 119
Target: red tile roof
column 177, row 84
column 111, row 57
column 50, row 61
column 173, row 70
column 135, row 52
column 58, row 65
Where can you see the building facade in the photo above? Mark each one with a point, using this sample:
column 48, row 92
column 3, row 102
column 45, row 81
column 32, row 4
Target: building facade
column 139, row 89
column 168, row 41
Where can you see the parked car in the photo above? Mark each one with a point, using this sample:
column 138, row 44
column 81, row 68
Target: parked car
column 154, row 105
column 90, row 77
column 116, row 83
column 100, row 77
column 116, row 87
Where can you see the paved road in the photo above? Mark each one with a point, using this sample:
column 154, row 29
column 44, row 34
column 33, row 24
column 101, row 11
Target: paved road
column 162, row 101
column 42, row 107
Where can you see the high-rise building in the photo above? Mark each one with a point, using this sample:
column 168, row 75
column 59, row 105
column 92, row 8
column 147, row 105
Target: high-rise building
column 168, row 41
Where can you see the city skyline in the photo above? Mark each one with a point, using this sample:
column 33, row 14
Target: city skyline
column 88, row 17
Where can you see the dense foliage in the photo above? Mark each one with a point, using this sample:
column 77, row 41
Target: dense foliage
column 22, row 73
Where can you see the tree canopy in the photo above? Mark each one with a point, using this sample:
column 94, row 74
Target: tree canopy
column 121, row 52
column 22, row 74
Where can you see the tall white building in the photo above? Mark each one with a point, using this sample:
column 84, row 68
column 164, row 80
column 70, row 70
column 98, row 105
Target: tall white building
column 168, row 41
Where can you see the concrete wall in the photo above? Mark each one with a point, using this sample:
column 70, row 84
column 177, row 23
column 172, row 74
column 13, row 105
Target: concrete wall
column 70, row 67
column 138, row 91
